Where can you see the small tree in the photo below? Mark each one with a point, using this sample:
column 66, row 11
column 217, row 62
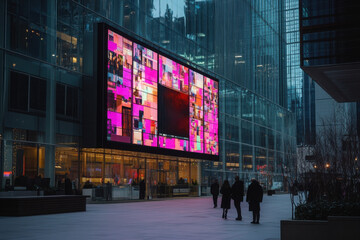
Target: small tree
column 289, row 170
column 329, row 170
column 336, row 169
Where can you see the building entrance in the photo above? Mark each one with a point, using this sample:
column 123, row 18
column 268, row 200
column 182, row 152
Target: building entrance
column 28, row 164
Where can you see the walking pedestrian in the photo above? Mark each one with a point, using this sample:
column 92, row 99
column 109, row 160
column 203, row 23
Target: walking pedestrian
column 226, row 198
column 142, row 188
column 254, row 197
column 108, row 189
column 68, row 185
column 237, row 190
column 215, row 191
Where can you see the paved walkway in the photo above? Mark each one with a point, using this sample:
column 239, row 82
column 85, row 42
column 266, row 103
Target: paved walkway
column 185, row 218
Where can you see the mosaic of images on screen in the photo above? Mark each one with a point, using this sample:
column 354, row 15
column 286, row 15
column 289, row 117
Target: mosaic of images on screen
column 145, row 94
column 196, row 113
column 211, row 117
column 134, row 80
column 119, row 88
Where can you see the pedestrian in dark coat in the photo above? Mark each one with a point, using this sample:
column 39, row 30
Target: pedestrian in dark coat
column 142, row 188
column 226, row 198
column 68, row 185
column 108, row 189
column 237, row 190
column 215, row 191
column 254, row 197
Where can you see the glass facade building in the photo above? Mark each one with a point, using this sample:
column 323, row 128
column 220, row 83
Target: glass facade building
column 329, row 37
column 301, row 88
column 330, row 32
column 48, row 54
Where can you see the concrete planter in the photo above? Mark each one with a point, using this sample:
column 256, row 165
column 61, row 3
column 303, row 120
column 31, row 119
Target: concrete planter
column 89, row 193
column 334, row 228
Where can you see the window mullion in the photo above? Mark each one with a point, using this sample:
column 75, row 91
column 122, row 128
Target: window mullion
column 28, row 97
column 65, row 99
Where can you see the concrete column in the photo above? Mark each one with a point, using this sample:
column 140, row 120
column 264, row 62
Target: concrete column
column 199, row 176
column 137, row 18
column 50, row 95
column 120, row 12
column 253, row 134
column 240, row 170
column 2, row 84
column 267, row 158
column 2, row 105
column 222, row 142
column 8, row 156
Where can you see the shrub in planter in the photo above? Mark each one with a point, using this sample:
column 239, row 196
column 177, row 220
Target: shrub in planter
column 88, row 184
column 320, row 210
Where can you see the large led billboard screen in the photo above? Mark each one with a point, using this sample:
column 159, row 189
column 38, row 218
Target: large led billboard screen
column 155, row 102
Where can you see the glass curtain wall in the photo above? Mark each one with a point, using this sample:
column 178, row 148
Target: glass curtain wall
column 338, row 42
column 250, row 46
column 250, row 51
column 257, row 138
column 301, row 88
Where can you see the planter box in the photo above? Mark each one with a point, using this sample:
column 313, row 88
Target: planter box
column 120, row 193
column 181, row 191
column 36, row 205
column 20, row 193
column 88, row 192
column 334, row 228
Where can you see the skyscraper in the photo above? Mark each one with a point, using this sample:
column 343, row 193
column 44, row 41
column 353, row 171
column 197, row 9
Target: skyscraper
column 329, row 35
column 301, row 88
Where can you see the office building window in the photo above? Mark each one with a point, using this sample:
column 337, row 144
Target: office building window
column 19, row 85
column 37, row 94
column 27, row 26
column 60, row 99
column 67, row 100
column 27, row 93
column 71, row 102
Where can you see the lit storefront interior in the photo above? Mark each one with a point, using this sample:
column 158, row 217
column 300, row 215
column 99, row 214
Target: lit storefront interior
column 164, row 176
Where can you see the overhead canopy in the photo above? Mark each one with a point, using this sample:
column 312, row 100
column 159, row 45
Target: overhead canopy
column 340, row 81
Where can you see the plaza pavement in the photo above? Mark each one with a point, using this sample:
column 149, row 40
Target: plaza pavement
column 182, row 218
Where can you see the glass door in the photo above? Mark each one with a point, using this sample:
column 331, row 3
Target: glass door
column 151, row 178
column 28, row 164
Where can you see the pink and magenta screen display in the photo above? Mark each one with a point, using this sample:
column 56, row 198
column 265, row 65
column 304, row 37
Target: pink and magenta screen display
column 155, row 101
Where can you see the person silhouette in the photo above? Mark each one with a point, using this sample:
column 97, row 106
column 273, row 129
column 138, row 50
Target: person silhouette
column 142, row 188
column 215, row 191
column 226, row 198
column 237, row 190
column 254, row 196
column 68, row 185
column 108, row 191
